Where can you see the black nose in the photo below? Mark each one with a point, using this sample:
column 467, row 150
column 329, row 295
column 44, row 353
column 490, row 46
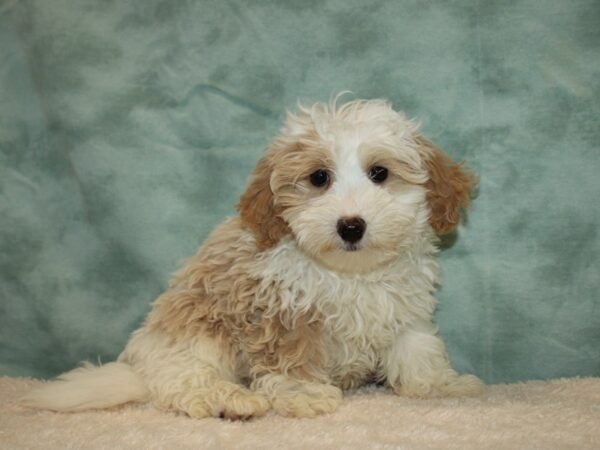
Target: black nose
column 351, row 229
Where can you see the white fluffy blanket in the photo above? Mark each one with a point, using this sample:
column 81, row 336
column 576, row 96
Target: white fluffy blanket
column 557, row 414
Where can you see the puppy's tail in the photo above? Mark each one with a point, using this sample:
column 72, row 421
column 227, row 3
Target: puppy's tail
column 89, row 387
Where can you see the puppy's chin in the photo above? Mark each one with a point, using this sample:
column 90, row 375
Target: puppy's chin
column 353, row 258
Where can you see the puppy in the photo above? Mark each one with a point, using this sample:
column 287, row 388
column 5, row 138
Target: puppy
column 324, row 282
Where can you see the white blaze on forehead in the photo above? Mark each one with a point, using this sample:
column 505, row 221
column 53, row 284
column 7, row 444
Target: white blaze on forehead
column 350, row 179
column 347, row 157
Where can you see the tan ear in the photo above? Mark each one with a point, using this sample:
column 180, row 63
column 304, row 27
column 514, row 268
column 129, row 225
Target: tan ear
column 258, row 210
column 449, row 187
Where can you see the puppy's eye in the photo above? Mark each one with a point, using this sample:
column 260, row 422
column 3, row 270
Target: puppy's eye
column 319, row 178
column 378, row 174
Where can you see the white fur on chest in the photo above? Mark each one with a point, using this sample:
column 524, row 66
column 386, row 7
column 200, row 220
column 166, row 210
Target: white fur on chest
column 363, row 312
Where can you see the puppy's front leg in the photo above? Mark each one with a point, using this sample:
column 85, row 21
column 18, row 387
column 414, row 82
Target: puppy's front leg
column 287, row 364
column 417, row 366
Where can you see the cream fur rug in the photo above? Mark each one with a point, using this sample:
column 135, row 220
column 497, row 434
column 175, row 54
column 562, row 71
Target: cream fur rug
column 558, row 414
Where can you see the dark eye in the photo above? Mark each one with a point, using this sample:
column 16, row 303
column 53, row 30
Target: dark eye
column 378, row 174
column 319, row 178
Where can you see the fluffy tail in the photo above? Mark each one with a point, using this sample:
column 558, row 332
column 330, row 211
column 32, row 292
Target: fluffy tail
column 89, row 387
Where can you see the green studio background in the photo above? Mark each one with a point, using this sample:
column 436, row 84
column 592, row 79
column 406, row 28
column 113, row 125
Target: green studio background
column 128, row 130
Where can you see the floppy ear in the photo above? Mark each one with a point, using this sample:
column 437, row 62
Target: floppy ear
column 258, row 210
column 448, row 189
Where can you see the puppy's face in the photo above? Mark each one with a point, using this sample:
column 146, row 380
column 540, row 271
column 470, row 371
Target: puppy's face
column 352, row 185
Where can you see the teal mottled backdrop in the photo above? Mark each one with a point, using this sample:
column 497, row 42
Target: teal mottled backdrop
column 128, row 130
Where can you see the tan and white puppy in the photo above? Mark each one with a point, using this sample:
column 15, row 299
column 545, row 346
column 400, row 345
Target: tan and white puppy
column 324, row 282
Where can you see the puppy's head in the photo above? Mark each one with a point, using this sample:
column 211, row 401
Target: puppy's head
column 354, row 185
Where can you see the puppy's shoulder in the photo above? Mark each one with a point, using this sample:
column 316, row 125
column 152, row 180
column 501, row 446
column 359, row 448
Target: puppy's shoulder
column 230, row 245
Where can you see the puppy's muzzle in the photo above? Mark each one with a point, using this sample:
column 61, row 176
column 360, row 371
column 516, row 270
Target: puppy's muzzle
column 351, row 229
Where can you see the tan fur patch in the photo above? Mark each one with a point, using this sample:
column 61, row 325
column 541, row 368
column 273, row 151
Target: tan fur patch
column 280, row 181
column 406, row 169
column 216, row 295
column 449, row 187
column 293, row 168
column 213, row 287
column 257, row 207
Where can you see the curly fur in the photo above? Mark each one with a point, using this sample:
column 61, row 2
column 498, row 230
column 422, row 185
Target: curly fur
column 275, row 310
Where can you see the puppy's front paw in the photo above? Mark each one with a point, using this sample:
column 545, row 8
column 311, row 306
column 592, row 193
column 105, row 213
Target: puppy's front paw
column 243, row 404
column 455, row 386
column 308, row 400
column 224, row 400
